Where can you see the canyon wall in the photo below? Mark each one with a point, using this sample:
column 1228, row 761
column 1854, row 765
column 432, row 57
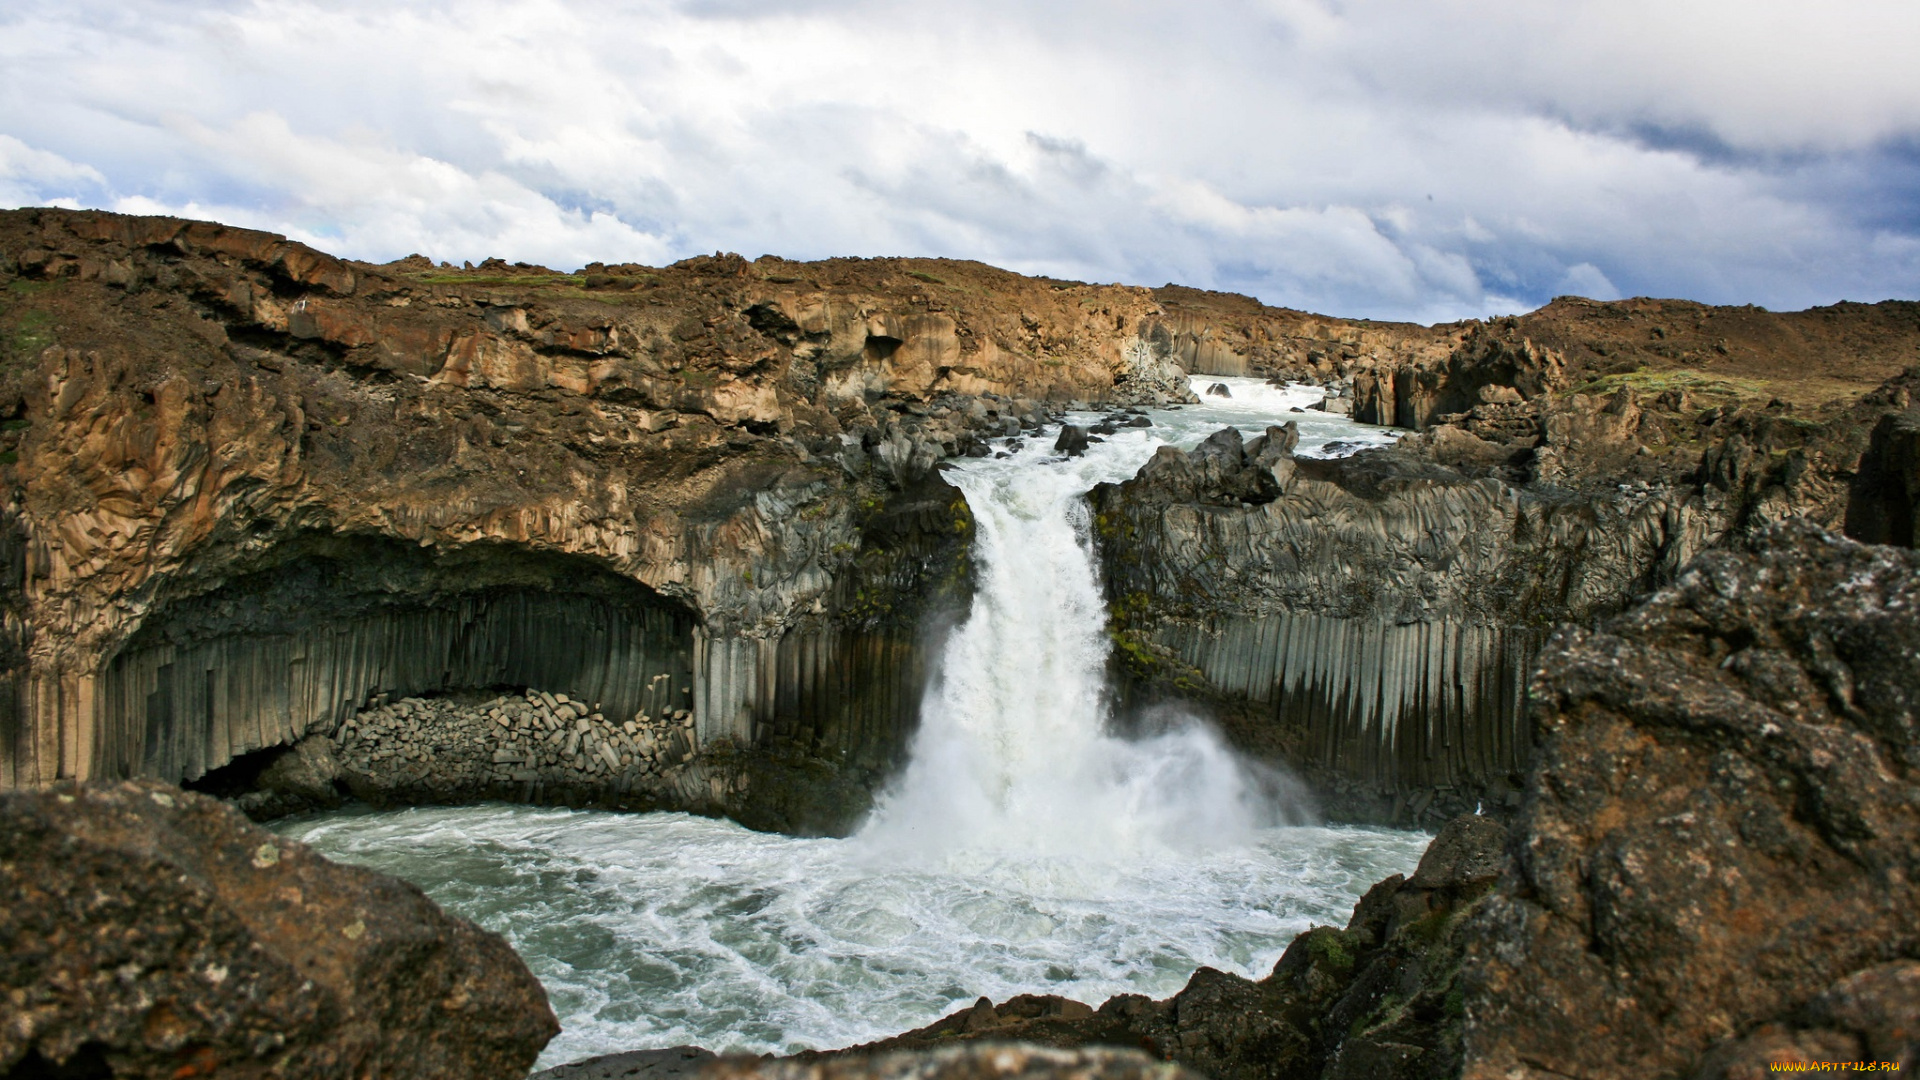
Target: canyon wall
column 1371, row 621
column 252, row 488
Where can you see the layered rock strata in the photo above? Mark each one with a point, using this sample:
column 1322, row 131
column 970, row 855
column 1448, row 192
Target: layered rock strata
column 151, row 932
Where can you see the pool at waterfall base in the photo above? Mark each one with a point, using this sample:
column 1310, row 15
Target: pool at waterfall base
column 1023, row 849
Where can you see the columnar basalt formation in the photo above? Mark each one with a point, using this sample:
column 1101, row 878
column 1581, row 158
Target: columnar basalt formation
column 227, row 445
column 252, row 486
column 1371, row 620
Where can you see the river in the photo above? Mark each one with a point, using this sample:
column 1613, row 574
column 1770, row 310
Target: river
column 1025, row 848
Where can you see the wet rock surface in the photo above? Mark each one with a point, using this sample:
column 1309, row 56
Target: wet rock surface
column 152, row 932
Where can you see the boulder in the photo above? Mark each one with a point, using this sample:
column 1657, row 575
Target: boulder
column 1072, row 441
column 153, row 932
column 1722, row 831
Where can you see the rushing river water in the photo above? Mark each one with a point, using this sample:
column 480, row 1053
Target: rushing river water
column 1024, row 849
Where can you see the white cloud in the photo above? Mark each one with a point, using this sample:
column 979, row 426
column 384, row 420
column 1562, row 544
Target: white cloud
column 1585, row 279
column 31, row 176
column 1379, row 157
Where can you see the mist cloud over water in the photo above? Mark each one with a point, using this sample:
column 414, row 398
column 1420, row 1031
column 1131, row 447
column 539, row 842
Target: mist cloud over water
column 1366, row 157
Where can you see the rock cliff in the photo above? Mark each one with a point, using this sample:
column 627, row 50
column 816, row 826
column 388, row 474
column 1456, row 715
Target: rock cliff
column 253, row 487
column 1370, row 620
column 254, row 490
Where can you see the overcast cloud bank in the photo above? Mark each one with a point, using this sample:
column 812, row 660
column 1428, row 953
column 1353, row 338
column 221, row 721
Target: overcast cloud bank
column 1422, row 159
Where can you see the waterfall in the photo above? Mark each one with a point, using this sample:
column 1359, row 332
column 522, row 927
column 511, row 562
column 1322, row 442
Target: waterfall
column 1014, row 754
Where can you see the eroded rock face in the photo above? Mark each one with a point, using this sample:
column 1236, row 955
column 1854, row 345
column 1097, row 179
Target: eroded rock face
column 152, row 932
column 1370, row 620
column 1885, row 503
column 1714, row 866
column 1724, row 822
column 255, row 486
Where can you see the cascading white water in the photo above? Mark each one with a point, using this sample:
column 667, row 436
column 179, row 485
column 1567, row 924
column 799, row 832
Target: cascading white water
column 1025, row 850
column 1013, row 753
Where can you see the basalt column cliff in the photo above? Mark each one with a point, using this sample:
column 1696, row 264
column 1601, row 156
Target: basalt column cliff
column 254, row 490
column 675, row 536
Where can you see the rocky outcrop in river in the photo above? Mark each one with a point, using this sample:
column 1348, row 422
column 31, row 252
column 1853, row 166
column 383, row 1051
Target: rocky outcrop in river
column 151, row 932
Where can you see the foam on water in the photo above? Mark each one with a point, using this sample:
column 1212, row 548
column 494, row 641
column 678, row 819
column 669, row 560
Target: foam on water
column 1024, row 849
column 662, row 929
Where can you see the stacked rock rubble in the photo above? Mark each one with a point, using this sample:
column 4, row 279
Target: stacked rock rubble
column 527, row 747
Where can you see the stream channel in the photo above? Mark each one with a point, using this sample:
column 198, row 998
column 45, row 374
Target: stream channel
column 1024, row 849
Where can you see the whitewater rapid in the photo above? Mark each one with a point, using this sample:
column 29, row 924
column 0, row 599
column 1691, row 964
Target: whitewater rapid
column 1024, row 849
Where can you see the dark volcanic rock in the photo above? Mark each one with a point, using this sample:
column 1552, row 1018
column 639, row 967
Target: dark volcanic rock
column 1369, row 621
column 1886, row 489
column 1072, row 441
column 1714, row 867
column 673, row 1063
column 986, row 1061
column 1724, row 827
column 151, row 932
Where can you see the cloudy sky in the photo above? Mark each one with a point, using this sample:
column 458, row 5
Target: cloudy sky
column 1423, row 159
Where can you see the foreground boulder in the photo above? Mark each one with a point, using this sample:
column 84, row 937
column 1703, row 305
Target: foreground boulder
column 150, row 932
column 1723, row 832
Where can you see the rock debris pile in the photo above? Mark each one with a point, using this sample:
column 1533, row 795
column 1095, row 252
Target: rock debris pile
column 456, row 746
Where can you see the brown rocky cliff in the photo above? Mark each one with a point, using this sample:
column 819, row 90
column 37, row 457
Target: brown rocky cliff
column 735, row 455
column 192, row 404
